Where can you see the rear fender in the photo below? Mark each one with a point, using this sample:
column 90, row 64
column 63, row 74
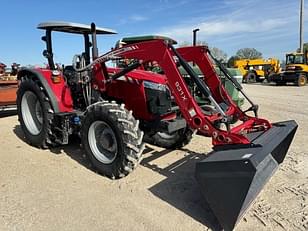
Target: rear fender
column 59, row 94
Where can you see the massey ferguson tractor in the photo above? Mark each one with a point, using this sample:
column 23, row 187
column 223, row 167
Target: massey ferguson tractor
column 111, row 108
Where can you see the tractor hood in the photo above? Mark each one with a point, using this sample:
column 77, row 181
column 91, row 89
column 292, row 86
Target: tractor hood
column 136, row 39
column 141, row 75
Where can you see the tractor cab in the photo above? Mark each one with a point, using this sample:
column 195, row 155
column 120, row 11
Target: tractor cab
column 296, row 58
column 296, row 62
column 296, row 69
column 73, row 28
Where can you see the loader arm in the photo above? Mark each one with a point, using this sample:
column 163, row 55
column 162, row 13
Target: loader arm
column 164, row 53
column 198, row 55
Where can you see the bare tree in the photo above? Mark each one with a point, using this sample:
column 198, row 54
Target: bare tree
column 184, row 44
column 248, row 53
column 219, row 54
column 216, row 52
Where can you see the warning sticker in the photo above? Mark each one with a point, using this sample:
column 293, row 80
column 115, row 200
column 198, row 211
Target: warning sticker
column 192, row 112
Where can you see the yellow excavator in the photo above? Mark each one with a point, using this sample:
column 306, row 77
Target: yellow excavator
column 257, row 70
column 296, row 70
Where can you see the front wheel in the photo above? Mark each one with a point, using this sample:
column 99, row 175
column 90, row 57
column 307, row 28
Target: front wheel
column 302, row 80
column 112, row 139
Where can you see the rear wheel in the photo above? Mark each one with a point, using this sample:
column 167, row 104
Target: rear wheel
column 269, row 78
column 112, row 139
column 34, row 113
column 251, row 77
column 302, row 80
column 177, row 139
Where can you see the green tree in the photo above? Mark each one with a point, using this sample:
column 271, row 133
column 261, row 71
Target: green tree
column 248, row 53
column 231, row 60
column 305, row 46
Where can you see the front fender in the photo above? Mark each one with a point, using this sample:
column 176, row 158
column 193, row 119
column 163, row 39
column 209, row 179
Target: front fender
column 59, row 94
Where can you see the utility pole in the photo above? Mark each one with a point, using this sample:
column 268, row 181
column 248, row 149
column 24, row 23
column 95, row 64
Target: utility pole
column 301, row 26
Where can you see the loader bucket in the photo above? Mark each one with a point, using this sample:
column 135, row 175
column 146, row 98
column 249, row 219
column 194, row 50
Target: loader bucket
column 231, row 178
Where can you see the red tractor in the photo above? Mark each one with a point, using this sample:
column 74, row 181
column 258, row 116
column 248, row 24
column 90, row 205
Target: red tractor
column 111, row 109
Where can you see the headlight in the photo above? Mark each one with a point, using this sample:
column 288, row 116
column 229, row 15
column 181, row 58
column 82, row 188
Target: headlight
column 297, row 68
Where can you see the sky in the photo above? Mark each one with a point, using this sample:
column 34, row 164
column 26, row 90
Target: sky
column 270, row 26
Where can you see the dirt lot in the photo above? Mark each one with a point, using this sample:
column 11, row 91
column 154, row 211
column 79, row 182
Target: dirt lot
column 55, row 189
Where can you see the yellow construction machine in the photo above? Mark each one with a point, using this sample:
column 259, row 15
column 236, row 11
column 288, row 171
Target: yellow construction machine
column 296, row 70
column 257, row 70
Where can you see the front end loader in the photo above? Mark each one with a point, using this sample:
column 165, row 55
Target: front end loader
column 113, row 107
column 245, row 155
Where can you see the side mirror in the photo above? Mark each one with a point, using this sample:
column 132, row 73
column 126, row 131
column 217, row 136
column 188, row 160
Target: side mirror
column 44, row 38
column 46, row 54
column 93, row 27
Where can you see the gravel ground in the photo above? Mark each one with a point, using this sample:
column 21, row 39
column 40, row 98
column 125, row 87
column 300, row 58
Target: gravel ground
column 56, row 190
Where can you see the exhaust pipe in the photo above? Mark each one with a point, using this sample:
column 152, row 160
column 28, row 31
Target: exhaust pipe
column 231, row 178
column 94, row 41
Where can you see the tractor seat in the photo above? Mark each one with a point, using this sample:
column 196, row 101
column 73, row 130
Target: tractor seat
column 70, row 74
column 69, row 71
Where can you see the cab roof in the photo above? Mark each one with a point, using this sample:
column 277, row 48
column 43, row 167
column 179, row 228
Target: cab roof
column 295, row 53
column 71, row 27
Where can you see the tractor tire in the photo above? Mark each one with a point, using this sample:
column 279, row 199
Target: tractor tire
column 251, row 77
column 175, row 140
column 112, row 139
column 281, row 83
column 301, row 81
column 35, row 113
column 271, row 77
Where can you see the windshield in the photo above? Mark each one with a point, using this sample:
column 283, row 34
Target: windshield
column 295, row 59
